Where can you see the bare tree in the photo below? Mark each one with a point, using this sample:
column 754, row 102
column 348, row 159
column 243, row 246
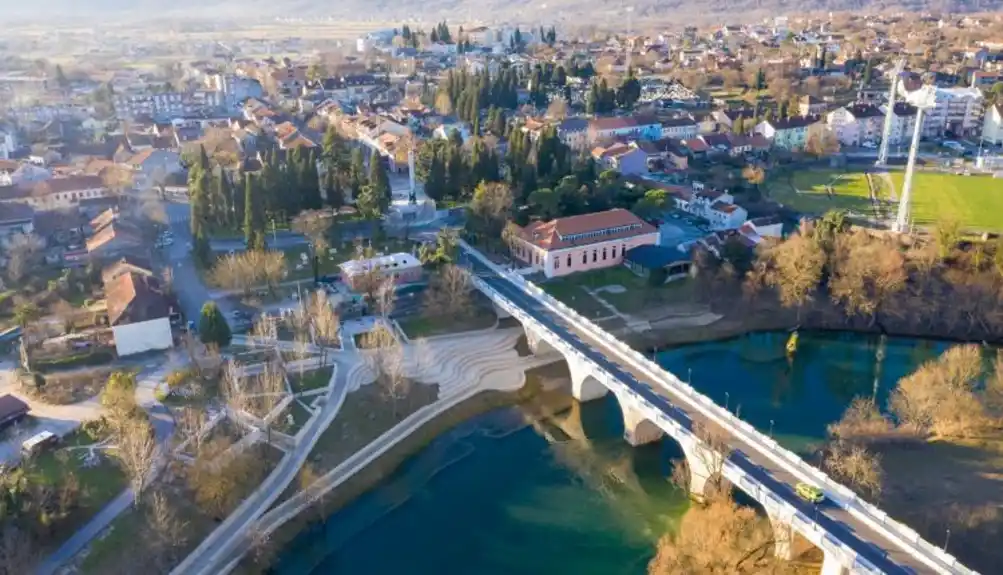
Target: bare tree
column 23, row 253
column 167, row 532
column 190, row 422
column 396, row 386
column 386, row 296
column 137, row 449
column 326, row 323
column 264, row 333
column 719, row 538
column 314, row 224
column 855, row 465
column 248, row 269
column 449, row 293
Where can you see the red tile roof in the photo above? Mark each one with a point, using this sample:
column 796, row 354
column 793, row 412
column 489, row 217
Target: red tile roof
column 552, row 235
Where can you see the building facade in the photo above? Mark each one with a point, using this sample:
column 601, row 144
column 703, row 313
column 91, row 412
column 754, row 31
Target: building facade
column 581, row 243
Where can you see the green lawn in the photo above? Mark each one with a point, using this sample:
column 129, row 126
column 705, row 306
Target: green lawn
column 806, row 191
column 976, row 202
column 314, row 379
column 300, row 416
column 638, row 297
column 99, row 483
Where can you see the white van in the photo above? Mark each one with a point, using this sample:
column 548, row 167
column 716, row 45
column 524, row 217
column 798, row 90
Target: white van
column 38, row 443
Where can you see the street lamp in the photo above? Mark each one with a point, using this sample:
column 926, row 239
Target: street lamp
column 947, row 539
column 689, row 375
column 727, row 398
column 771, row 429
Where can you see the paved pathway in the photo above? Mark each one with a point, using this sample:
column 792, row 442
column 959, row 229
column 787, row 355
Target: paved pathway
column 203, row 559
column 163, row 426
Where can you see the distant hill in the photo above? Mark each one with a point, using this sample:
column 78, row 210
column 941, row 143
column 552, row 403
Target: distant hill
column 576, row 12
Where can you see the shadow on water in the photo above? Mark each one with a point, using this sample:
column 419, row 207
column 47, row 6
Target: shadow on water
column 498, row 495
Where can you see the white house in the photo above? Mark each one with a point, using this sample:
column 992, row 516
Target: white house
column 856, row 124
column 903, row 123
column 957, row 111
column 139, row 314
column 682, row 128
column 788, row 133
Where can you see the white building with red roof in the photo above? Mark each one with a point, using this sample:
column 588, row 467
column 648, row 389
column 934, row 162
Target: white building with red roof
column 581, row 243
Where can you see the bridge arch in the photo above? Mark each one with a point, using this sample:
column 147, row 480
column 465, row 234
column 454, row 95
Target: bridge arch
column 584, row 385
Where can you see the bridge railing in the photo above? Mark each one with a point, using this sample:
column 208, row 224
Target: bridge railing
column 808, row 527
column 906, row 537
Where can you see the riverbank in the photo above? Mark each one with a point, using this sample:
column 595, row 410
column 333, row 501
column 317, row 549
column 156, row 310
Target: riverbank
column 536, row 391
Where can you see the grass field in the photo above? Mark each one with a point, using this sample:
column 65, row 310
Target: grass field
column 806, row 191
column 976, row 202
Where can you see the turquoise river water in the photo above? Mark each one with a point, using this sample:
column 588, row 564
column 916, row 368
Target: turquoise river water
column 497, row 497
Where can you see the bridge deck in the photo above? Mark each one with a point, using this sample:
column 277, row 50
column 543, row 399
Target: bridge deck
column 879, row 550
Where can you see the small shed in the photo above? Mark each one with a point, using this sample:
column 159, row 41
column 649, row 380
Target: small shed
column 652, row 261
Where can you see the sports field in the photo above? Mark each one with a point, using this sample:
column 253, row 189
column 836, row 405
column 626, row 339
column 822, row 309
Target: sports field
column 976, row 202
column 818, row 191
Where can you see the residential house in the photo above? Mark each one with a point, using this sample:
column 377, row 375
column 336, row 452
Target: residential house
column 992, row 126
column 56, row 193
column 153, row 167
column 811, row 106
column 139, row 314
column 581, row 243
column 615, row 128
column 15, row 220
column 628, row 159
column 855, row 124
column 680, row 128
column 903, row 123
column 115, row 240
column 574, row 133
column 727, row 118
column 125, row 265
column 787, row 133
column 957, row 112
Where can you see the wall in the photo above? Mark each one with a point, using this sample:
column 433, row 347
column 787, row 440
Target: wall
column 143, row 336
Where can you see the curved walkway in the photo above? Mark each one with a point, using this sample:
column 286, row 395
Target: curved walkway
column 462, row 366
column 205, row 555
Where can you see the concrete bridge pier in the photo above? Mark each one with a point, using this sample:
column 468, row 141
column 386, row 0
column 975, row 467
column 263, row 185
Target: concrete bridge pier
column 584, row 386
column 537, row 344
column 501, row 312
column 832, row 564
column 638, row 429
column 703, row 463
column 783, row 536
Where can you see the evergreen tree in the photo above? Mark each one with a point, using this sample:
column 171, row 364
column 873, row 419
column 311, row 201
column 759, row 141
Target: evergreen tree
column 435, row 180
column 254, row 222
column 868, row 72
column 334, row 190
column 213, row 328
column 310, row 183
column 201, row 250
column 379, row 179
column 357, row 172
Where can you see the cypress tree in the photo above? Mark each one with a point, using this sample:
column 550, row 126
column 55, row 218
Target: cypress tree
column 379, row 179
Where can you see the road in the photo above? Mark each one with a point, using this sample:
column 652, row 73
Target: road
column 220, row 542
column 163, row 426
column 191, row 291
column 865, row 541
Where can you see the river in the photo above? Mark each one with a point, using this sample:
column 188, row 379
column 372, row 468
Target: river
column 498, row 496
